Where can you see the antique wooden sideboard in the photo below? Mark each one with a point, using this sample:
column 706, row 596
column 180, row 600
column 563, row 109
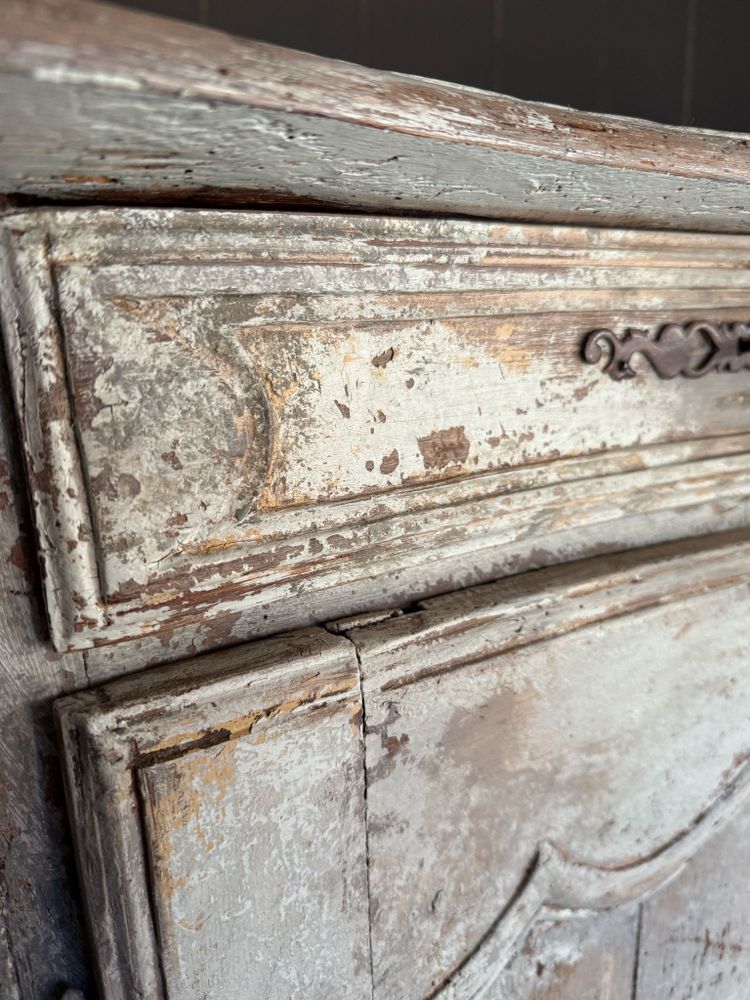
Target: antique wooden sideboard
column 376, row 532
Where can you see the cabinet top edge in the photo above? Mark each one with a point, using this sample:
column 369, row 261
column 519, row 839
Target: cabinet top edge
column 81, row 225
column 68, row 64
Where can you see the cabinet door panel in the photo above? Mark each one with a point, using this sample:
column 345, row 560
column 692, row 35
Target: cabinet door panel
column 562, row 740
column 538, row 750
column 589, row 958
column 219, row 818
column 695, row 935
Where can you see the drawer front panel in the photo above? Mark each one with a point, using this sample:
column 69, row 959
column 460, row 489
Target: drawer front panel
column 223, row 409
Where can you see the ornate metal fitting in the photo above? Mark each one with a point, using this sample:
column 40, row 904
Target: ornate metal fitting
column 692, row 350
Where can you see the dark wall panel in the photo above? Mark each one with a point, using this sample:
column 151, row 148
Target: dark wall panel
column 620, row 56
column 445, row 39
column 549, row 52
column 643, row 59
column 334, row 28
column 186, row 10
column 721, row 93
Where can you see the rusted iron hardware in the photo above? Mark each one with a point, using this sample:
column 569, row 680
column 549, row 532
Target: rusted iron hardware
column 692, row 350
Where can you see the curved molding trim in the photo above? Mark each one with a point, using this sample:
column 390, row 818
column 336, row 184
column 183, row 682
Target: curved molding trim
column 555, row 882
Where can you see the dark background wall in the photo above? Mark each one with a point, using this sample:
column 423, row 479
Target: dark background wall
column 673, row 61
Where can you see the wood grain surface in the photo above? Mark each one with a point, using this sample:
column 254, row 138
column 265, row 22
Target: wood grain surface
column 225, row 410
column 236, row 423
column 552, row 766
column 561, row 741
column 43, row 944
column 227, row 793
column 694, row 934
column 108, row 104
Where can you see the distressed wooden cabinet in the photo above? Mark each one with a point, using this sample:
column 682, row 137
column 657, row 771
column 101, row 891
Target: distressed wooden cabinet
column 224, row 843
column 540, row 752
column 389, row 580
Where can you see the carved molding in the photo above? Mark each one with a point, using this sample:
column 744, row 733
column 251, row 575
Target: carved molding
column 555, row 882
column 692, row 350
column 180, row 383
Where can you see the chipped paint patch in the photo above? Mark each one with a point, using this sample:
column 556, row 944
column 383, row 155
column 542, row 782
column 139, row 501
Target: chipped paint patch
column 444, row 447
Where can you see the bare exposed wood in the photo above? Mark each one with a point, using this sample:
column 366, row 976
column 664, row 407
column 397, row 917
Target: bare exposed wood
column 41, row 937
column 415, row 583
column 516, row 736
column 221, row 410
column 242, row 772
column 556, row 742
column 103, row 103
column 8, row 977
column 238, row 423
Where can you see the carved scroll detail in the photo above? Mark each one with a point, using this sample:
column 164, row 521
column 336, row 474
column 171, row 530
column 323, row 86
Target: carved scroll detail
column 692, row 350
column 557, row 883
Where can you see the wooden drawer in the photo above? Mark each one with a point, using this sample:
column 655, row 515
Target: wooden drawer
column 225, row 410
column 540, row 755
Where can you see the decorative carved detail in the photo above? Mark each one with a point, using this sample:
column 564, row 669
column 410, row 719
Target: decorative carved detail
column 557, row 883
column 693, row 349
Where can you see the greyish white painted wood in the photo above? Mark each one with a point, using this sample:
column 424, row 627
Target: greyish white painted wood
column 108, row 104
column 42, row 942
column 219, row 815
column 537, row 750
column 225, row 411
column 694, row 934
column 560, row 741
column 588, row 957
column 238, row 423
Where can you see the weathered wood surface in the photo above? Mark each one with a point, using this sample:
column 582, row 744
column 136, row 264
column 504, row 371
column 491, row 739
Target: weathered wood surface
column 590, row 957
column 42, row 946
column 225, row 410
column 428, row 578
column 229, row 792
column 695, row 937
column 103, row 103
column 562, row 740
column 541, row 754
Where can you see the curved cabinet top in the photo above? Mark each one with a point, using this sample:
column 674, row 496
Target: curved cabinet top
column 223, row 120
